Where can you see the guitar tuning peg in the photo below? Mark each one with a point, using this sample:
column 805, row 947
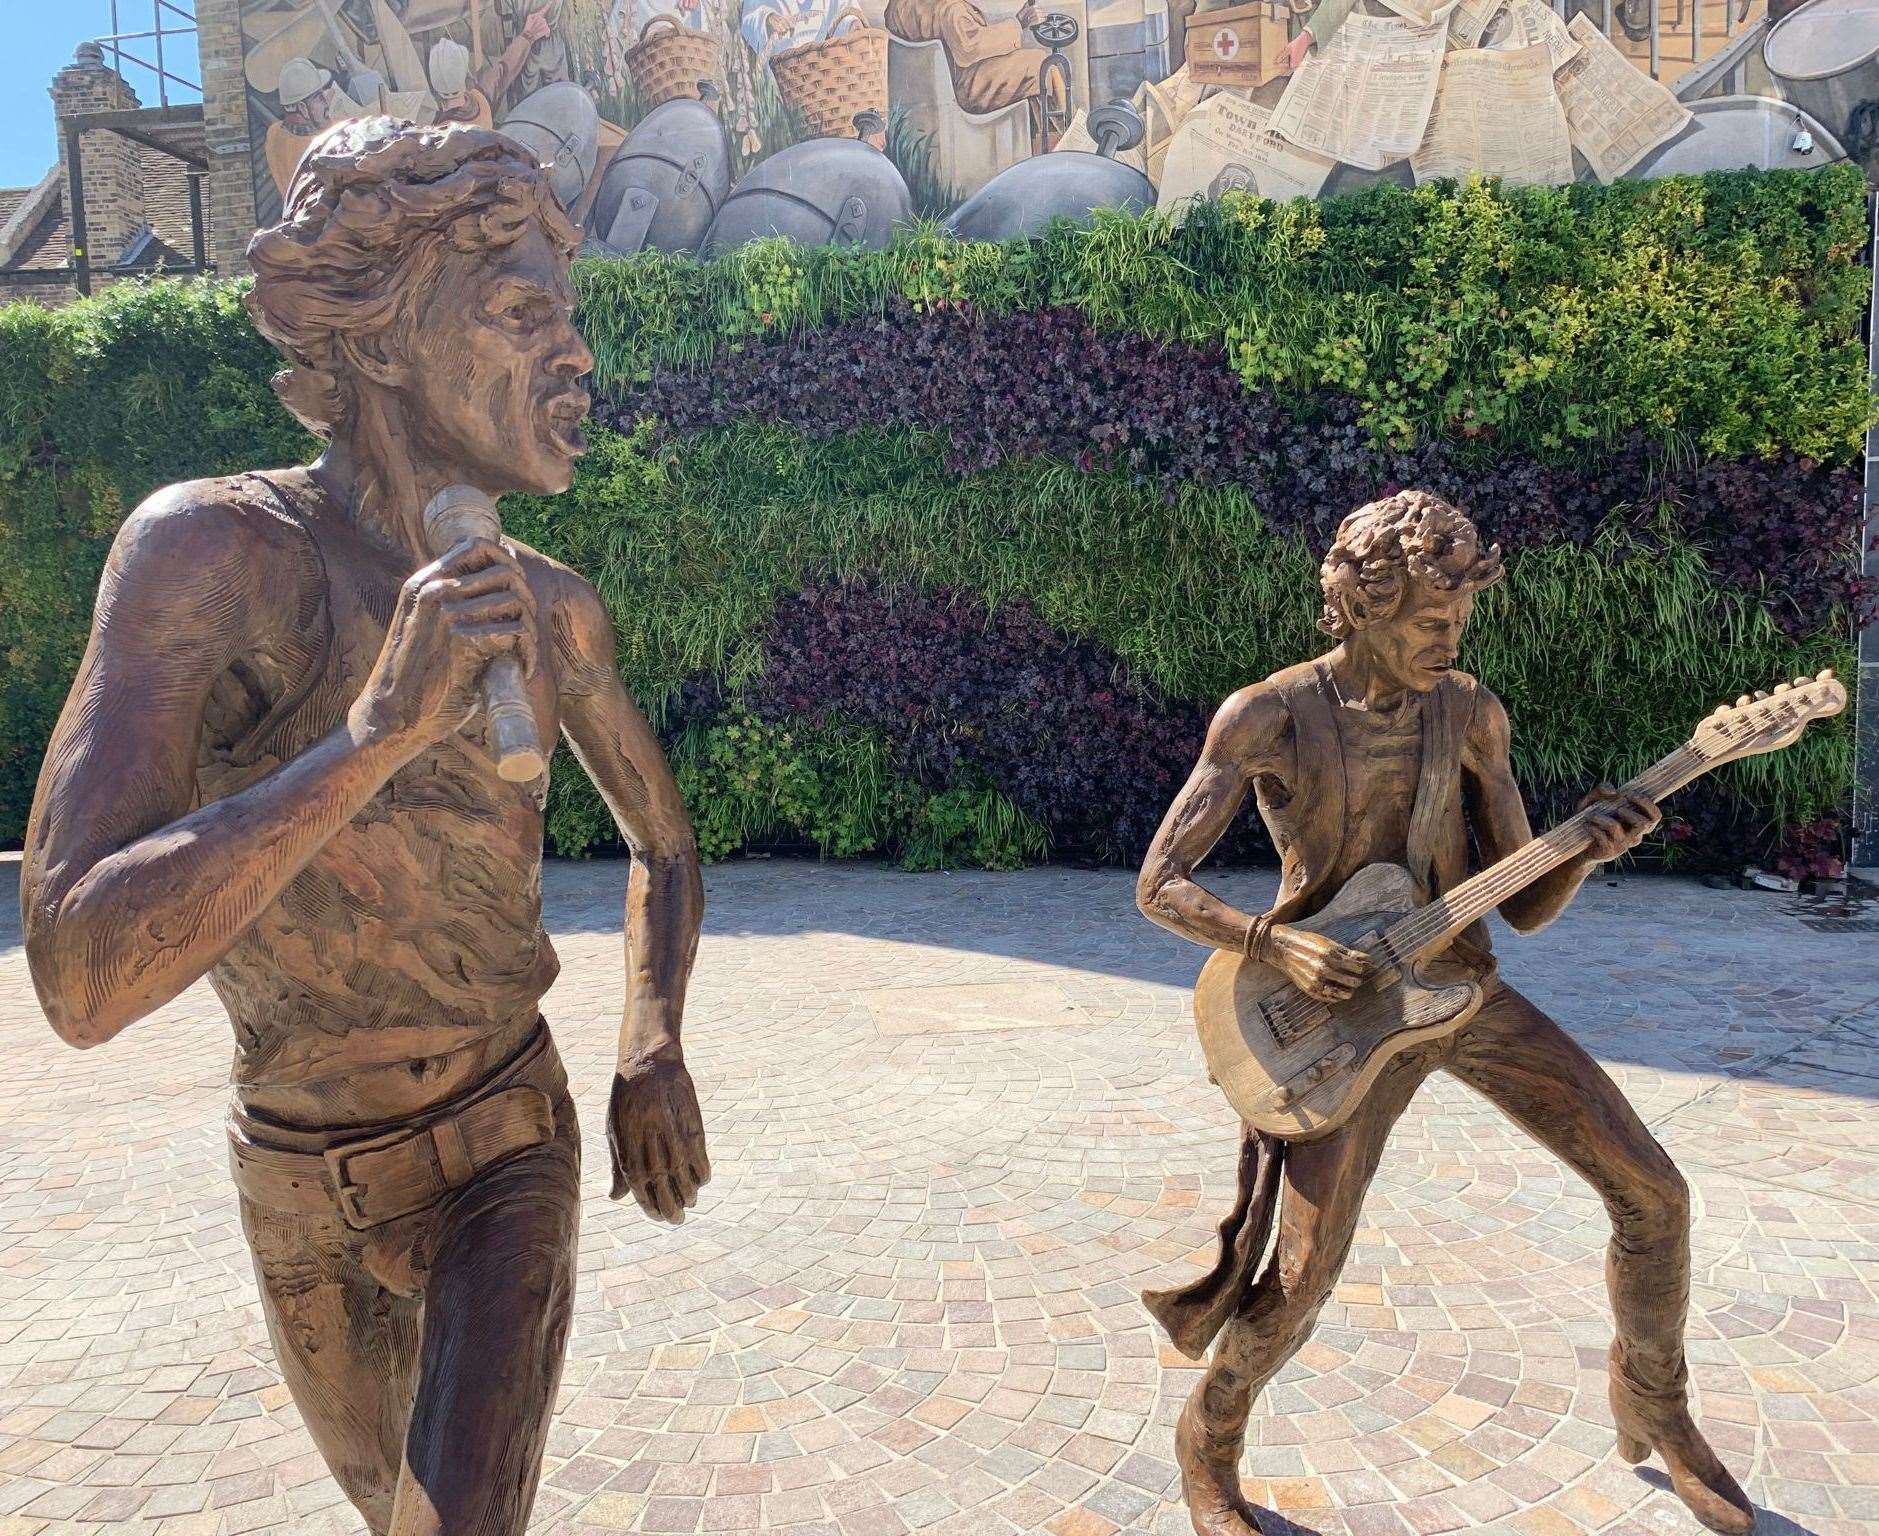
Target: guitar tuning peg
column 1799, row 682
column 1762, row 694
column 1743, row 701
column 1824, row 675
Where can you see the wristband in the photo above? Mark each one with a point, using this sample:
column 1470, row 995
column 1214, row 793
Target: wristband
column 1258, row 936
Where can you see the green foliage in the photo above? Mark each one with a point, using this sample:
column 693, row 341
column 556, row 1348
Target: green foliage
column 1606, row 655
column 692, row 544
column 100, row 404
column 748, row 782
column 1719, row 313
column 977, row 827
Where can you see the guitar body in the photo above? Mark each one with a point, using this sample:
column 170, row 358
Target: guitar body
column 1298, row 1068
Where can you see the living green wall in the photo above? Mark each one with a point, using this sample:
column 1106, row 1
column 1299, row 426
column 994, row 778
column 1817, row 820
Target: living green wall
column 946, row 552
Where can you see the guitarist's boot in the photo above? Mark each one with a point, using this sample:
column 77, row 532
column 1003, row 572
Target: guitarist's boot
column 1697, row 1475
column 1207, row 1448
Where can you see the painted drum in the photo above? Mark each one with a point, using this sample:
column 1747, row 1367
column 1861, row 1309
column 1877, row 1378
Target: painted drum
column 562, row 125
column 1021, row 200
column 664, row 187
column 819, row 192
column 1730, row 133
column 1825, row 59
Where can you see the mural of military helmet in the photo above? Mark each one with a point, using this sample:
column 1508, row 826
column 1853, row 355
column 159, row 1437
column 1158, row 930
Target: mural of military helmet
column 820, row 192
column 1021, row 200
column 664, row 187
column 562, row 125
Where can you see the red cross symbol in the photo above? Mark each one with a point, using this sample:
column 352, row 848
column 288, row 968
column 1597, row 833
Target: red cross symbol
column 1226, row 42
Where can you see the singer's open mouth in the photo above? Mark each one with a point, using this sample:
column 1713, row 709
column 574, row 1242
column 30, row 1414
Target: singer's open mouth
column 565, row 413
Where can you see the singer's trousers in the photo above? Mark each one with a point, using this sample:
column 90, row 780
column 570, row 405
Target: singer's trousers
column 424, row 1354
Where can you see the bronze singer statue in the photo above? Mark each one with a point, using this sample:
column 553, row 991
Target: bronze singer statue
column 278, row 768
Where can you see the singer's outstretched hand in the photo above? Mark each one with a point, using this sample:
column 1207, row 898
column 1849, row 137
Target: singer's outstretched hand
column 452, row 618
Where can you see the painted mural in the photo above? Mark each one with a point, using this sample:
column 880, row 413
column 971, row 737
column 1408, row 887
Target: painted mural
column 694, row 125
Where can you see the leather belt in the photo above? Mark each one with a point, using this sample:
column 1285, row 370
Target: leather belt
column 377, row 1178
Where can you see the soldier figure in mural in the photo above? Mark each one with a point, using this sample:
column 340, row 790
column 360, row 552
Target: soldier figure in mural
column 277, row 769
column 991, row 64
column 462, row 100
column 311, row 103
column 549, row 59
column 1381, row 753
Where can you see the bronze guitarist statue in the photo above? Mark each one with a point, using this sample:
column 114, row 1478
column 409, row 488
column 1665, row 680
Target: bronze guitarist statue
column 1380, row 753
column 276, row 768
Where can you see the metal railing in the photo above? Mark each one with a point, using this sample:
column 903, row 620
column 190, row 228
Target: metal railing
column 161, row 11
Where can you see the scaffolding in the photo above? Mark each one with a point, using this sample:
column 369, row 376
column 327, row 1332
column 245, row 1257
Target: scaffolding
column 162, row 12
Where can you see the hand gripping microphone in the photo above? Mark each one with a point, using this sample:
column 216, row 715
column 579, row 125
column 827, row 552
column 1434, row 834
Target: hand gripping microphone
column 460, row 512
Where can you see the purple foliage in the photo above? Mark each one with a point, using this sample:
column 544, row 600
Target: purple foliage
column 1047, row 382
column 964, row 696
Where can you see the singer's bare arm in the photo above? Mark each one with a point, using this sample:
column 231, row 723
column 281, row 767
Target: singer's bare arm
column 129, row 893
column 655, row 1129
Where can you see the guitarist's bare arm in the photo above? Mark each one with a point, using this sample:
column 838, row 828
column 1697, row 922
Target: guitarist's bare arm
column 1617, row 823
column 1248, row 737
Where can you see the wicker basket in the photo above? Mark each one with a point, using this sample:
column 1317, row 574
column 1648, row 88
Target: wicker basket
column 828, row 84
column 669, row 60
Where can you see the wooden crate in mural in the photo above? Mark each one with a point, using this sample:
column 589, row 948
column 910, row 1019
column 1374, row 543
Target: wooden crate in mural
column 1000, row 114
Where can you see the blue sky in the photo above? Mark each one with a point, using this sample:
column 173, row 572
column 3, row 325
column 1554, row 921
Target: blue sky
column 40, row 36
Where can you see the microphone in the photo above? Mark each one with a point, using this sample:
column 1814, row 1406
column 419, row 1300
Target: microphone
column 460, row 512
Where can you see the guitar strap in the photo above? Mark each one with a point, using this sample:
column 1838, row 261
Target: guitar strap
column 1429, row 821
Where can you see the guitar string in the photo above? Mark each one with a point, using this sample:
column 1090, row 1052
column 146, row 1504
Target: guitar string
column 1449, row 915
column 1444, row 918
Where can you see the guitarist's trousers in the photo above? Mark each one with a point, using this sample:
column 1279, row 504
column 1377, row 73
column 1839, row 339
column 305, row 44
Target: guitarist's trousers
column 1538, row 1076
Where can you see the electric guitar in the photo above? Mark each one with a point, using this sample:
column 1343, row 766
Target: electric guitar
column 1298, row 1068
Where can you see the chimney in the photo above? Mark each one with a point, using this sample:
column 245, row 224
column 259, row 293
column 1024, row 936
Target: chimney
column 113, row 173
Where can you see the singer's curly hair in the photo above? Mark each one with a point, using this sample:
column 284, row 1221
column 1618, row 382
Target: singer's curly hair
column 1410, row 540
column 373, row 211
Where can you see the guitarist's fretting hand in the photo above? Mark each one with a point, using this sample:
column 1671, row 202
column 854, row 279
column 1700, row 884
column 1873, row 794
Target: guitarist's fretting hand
column 1616, row 822
column 1319, row 967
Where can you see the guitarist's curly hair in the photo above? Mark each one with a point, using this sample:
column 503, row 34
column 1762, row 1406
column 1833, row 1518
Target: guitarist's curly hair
column 1382, row 549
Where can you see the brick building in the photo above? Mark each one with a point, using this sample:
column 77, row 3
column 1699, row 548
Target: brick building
column 150, row 188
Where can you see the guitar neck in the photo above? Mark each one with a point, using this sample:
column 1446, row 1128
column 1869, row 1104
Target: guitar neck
column 1432, row 927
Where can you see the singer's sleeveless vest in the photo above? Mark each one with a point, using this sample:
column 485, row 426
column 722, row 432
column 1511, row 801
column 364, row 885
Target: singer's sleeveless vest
column 418, row 923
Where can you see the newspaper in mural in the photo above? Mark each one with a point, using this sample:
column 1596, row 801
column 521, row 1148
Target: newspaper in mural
column 696, row 124
column 1496, row 112
column 1228, row 145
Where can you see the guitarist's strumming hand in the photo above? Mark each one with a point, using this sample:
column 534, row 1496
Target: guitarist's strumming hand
column 1319, row 967
column 1616, row 823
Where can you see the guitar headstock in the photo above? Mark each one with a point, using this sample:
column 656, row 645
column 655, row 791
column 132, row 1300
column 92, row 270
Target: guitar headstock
column 1766, row 722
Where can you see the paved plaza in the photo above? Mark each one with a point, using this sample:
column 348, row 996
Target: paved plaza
column 958, row 1122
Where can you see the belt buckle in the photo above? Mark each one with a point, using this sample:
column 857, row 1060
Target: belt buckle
column 347, row 1193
